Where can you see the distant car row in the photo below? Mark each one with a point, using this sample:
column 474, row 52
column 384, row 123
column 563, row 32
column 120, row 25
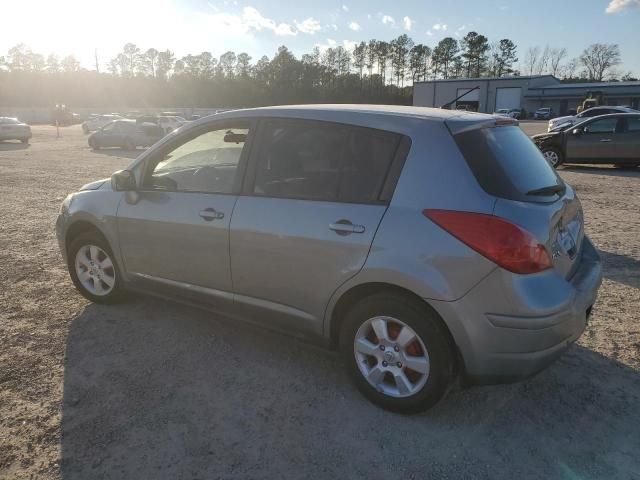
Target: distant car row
column 126, row 134
column 167, row 123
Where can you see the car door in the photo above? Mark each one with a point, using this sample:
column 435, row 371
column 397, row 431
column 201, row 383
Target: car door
column 311, row 205
column 628, row 144
column 593, row 141
column 107, row 135
column 177, row 232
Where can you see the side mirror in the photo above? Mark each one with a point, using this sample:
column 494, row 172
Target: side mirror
column 123, row 181
column 577, row 131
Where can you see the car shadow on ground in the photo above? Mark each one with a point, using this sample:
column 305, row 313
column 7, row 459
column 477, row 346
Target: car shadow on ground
column 621, row 268
column 6, row 146
column 119, row 152
column 602, row 170
column 159, row 390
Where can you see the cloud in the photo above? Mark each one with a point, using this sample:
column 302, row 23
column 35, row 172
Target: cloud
column 462, row 28
column 616, row 6
column 345, row 8
column 254, row 20
column 355, row 26
column 310, row 26
column 440, row 26
column 408, row 23
column 388, row 20
column 429, row 33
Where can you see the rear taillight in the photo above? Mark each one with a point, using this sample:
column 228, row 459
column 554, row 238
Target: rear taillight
column 502, row 242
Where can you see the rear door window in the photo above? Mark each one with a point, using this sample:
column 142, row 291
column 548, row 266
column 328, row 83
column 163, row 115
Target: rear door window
column 506, row 163
column 633, row 125
column 314, row 160
column 606, row 125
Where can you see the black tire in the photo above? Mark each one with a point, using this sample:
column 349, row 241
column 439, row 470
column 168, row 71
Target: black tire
column 555, row 151
column 426, row 323
column 24, row 140
column 93, row 144
column 85, row 129
column 93, row 238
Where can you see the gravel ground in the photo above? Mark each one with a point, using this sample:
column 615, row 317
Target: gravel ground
column 150, row 389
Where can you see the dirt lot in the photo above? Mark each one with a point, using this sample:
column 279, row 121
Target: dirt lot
column 150, row 389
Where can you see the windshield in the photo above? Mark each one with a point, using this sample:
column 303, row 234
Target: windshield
column 9, row 120
column 506, row 162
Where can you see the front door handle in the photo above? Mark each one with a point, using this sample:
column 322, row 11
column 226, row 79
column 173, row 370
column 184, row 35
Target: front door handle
column 211, row 214
column 604, row 140
column 345, row 227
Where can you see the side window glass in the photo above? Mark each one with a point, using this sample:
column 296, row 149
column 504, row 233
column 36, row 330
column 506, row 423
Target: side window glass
column 368, row 157
column 633, row 125
column 109, row 127
column 207, row 163
column 323, row 161
column 606, row 125
column 299, row 160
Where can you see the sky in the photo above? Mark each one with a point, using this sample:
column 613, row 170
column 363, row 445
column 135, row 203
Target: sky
column 259, row 27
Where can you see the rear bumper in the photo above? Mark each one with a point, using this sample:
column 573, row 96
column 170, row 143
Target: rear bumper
column 512, row 326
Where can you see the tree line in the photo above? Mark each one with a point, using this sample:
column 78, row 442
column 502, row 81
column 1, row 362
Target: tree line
column 374, row 71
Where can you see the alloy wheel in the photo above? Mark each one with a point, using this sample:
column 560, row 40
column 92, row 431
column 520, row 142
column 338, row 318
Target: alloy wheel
column 95, row 270
column 391, row 357
column 552, row 157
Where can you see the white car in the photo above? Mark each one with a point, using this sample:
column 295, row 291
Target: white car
column 97, row 122
column 14, row 129
column 508, row 112
column 564, row 122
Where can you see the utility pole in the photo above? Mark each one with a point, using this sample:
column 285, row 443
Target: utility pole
column 97, row 63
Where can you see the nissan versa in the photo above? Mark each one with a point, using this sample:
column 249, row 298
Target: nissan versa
column 427, row 244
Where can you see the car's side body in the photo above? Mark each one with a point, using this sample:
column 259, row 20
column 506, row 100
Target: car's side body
column 612, row 138
column 295, row 264
column 13, row 129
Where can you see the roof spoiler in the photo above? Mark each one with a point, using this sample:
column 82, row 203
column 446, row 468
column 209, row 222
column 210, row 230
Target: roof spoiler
column 465, row 123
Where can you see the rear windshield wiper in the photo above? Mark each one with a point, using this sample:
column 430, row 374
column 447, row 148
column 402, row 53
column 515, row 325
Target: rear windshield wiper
column 549, row 190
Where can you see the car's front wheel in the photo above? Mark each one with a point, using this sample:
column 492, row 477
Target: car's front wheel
column 553, row 156
column 398, row 352
column 93, row 269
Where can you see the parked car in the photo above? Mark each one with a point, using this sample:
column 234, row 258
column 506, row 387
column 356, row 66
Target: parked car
column 543, row 113
column 126, row 134
column 97, row 122
column 508, row 112
column 613, row 138
column 425, row 243
column 566, row 121
column 14, row 129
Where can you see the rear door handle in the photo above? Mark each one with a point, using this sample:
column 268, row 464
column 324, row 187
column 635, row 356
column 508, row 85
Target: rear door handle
column 345, row 227
column 211, row 214
column 605, row 140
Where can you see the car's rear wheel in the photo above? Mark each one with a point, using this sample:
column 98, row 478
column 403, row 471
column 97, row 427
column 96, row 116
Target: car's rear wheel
column 553, row 156
column 93, row 144
column 93, row 269
column 397, row 352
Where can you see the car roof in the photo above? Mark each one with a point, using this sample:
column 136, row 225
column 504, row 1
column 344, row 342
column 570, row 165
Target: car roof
column 609, row 115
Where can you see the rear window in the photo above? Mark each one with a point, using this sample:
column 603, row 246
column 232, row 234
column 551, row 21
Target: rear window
column 506, row 162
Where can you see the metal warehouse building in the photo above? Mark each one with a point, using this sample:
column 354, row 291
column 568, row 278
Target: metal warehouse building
column 530, row 93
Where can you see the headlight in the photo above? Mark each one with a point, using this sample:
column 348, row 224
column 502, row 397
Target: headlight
column 66, row 203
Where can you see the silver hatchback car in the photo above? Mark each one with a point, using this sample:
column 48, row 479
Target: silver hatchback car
column 427, row 244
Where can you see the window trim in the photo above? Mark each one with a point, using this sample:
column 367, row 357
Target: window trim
column 156, row 157
column 389, row 183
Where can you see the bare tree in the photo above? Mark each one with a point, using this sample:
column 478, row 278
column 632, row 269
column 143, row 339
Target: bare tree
column 555, row 59
column 150, row 60
column 531, row 60
column 598, row 60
